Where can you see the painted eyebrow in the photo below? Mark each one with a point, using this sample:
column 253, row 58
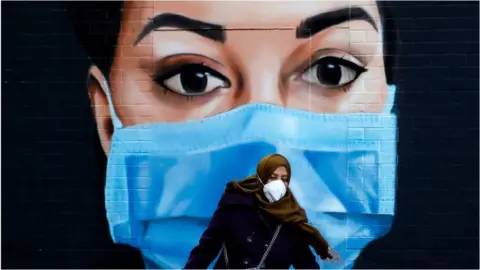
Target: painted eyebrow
column 317, row 23
column 215, row 32
column 211, row 31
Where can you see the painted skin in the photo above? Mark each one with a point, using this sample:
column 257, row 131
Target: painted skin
column 159, row 78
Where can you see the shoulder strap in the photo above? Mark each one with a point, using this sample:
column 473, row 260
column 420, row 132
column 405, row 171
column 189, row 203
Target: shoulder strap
column 225, row 255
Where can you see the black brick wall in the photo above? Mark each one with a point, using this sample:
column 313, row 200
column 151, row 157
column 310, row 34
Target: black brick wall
column 52, row 190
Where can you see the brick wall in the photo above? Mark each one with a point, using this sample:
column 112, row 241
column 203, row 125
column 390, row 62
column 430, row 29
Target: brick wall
column 52, row 190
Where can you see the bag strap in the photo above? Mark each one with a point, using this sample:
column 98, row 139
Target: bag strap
column 265, row 255
column 225, row 255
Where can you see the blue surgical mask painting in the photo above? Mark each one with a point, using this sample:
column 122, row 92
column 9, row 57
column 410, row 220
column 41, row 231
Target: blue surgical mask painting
column 164, row 180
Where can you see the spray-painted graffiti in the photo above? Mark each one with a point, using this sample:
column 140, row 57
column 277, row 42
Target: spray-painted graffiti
column 190, row 95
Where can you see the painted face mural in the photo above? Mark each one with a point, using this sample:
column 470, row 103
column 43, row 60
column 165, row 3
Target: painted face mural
column 198, row 92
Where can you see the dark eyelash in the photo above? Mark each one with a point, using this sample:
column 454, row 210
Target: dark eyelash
column 340, row 61
column 160, row 78
column 177, row 69
column 358, row 69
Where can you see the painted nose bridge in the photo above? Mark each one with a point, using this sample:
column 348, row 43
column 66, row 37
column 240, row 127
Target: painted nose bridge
column 262, row 61
column 264, row 86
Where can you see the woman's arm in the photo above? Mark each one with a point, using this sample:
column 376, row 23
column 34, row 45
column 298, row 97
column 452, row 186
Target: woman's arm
column 304, row 257
column 210, row 243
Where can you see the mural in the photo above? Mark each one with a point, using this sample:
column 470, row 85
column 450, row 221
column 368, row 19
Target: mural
column 188, row 96
column 124, row 121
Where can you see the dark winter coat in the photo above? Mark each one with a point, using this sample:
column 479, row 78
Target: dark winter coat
column 246, row 232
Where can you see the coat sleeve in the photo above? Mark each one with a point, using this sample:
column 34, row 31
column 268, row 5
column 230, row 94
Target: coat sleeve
column 210, row 243
column 304, row 257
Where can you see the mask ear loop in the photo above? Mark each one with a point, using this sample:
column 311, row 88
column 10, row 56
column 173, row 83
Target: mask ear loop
column 390, row 99
column 259, row 179
column 116, row 121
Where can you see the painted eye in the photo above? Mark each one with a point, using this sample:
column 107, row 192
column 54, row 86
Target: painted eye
column 332, row 72
column 193, row 80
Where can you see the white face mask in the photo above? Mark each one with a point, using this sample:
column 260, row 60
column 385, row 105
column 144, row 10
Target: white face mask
column 274, row 190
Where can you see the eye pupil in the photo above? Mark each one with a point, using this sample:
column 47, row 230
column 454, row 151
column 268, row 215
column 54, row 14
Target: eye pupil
column 194, row 81
column 329, row 73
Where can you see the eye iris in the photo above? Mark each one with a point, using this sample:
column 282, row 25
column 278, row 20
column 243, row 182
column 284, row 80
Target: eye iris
column 329, row 73
column 193, row 80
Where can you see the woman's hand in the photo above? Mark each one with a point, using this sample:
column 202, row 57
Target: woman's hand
column 333, row 254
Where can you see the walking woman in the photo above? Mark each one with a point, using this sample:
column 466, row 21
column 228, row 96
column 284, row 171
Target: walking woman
column 259, row 224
